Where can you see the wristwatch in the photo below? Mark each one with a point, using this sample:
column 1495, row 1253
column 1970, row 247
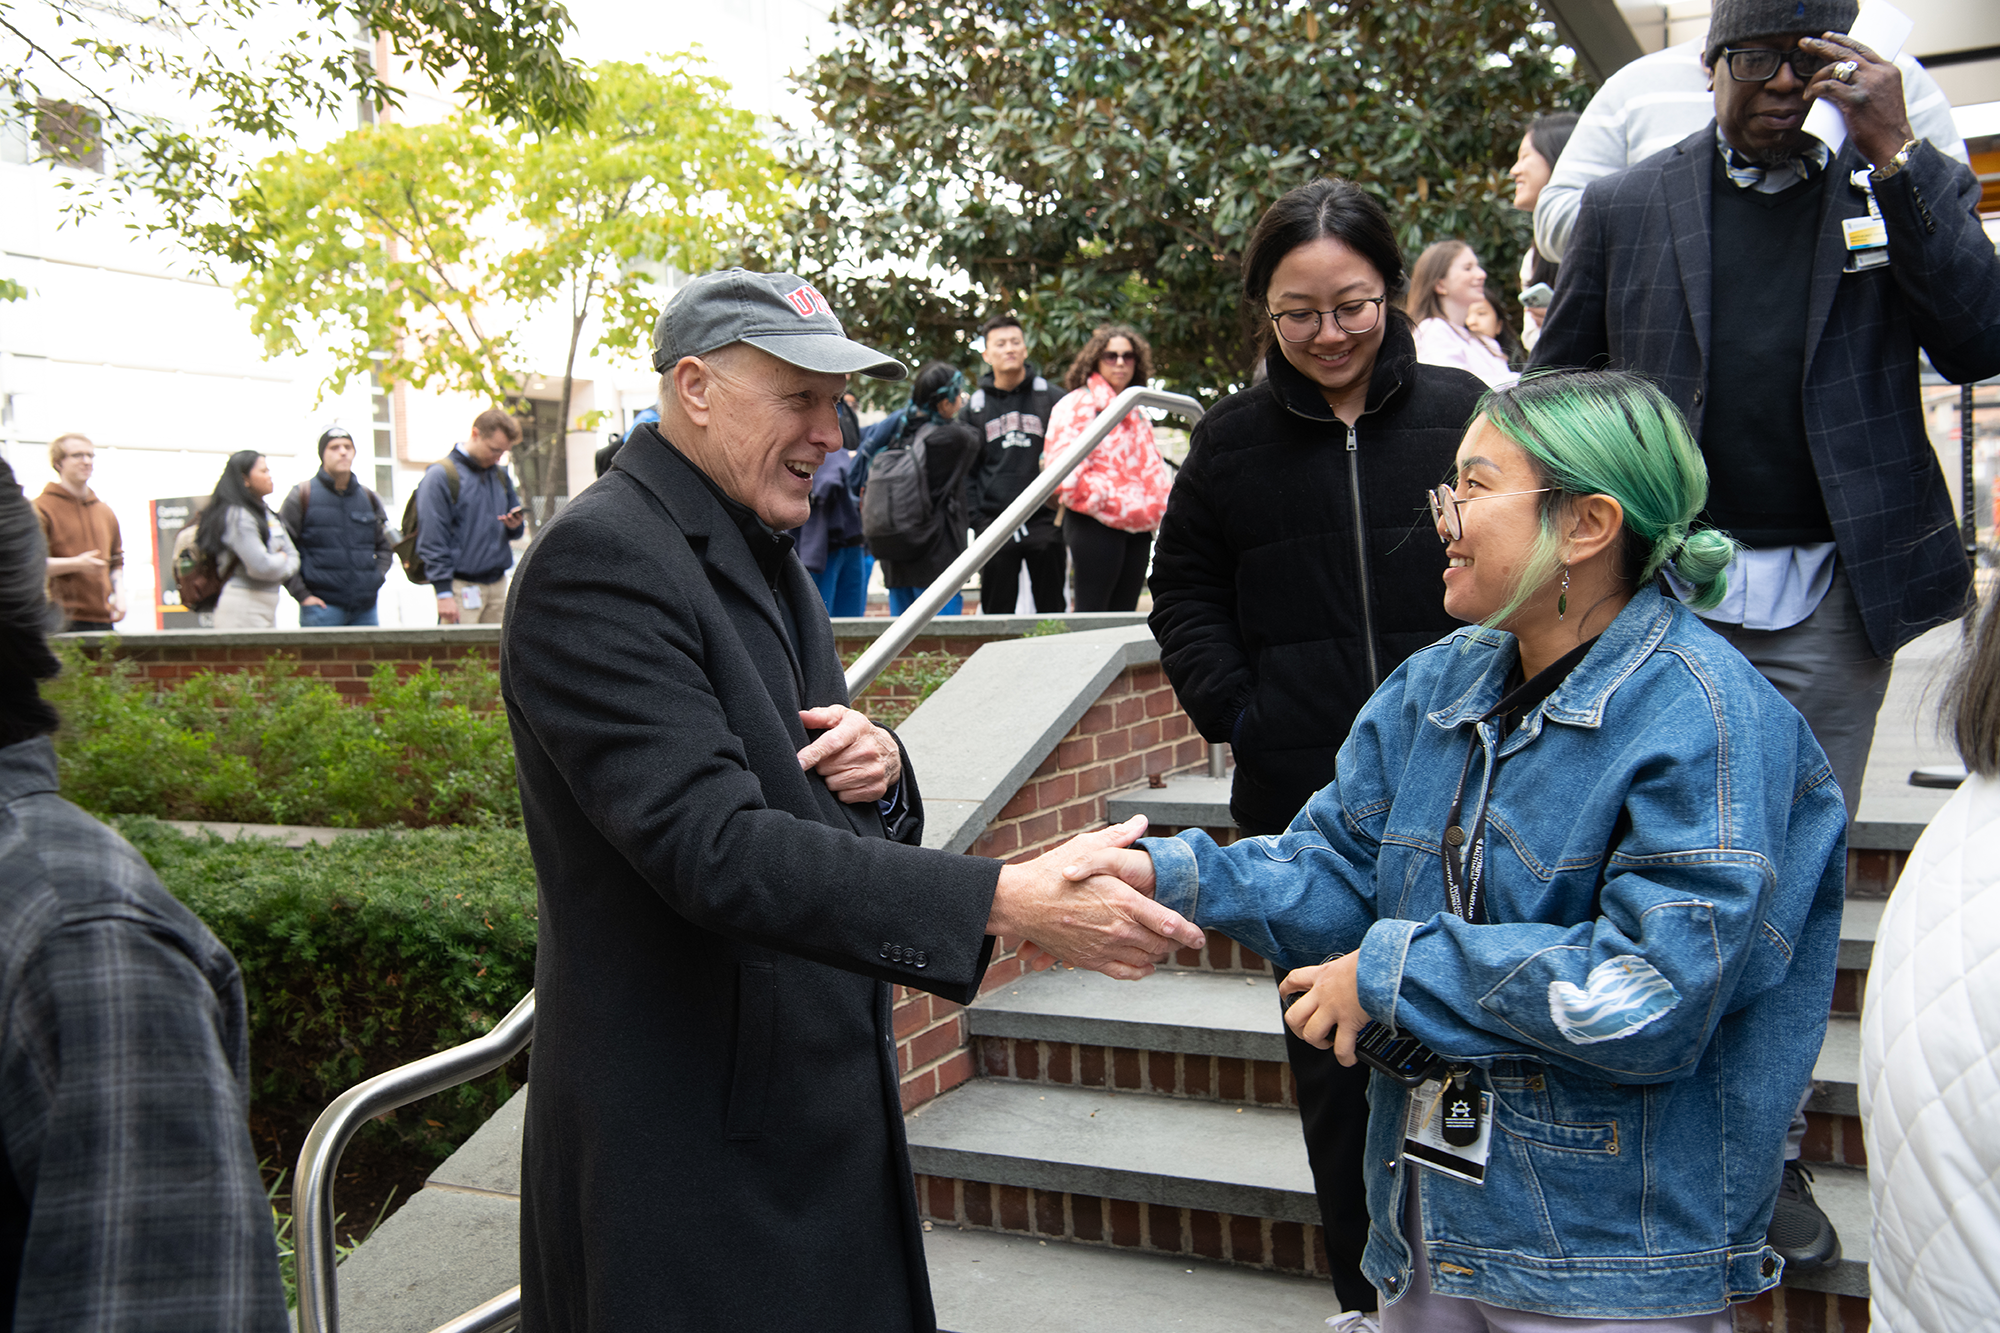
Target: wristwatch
column 1896, row 163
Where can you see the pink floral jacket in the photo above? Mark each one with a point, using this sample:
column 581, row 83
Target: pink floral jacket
column 1124, row 482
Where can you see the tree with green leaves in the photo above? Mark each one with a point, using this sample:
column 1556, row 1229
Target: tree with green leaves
column 414, row 251
column 254, row 71
column 1107, row 159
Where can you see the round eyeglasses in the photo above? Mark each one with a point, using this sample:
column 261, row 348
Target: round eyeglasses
column 1444, row 507
column 1298, row 326
column 1759, row 64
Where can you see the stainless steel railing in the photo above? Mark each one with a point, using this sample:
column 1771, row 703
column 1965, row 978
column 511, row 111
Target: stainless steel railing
column 911, row 623
column 312, row 1202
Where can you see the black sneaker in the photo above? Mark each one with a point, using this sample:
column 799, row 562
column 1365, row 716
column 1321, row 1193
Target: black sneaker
column 1802, row 1235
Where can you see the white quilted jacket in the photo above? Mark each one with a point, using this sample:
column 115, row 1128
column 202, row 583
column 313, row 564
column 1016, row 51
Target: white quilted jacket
column 1930, row 1079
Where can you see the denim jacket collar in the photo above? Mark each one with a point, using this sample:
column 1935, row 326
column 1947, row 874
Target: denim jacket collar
column 1581, row 699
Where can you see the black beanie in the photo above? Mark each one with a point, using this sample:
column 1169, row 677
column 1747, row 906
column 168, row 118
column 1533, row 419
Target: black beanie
column 1732, row 21
column 333, row 433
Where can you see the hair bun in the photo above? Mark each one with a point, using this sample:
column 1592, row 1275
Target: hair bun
column 1704, row 557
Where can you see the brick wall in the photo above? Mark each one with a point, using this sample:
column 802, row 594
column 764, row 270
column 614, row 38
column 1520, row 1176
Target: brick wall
column 1133, row 731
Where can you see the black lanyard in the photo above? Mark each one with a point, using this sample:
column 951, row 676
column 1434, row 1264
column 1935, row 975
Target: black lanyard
column 1464, row 857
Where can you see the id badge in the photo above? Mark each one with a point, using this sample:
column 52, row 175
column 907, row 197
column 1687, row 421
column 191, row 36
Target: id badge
column 1423, row 1134
column 469, row 599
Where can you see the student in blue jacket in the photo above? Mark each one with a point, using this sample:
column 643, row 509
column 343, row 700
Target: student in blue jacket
column 1586, row 855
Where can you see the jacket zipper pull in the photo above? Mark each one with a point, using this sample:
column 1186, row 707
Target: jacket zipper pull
column 1352, row 441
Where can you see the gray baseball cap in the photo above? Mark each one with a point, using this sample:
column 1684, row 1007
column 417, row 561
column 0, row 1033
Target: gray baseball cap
column 779, row 313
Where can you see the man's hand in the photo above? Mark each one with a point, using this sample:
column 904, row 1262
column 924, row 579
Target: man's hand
column 1329, row 1014
column 313, row 601
column 856, row 759
column 76, row 564
column 447, row 610
column 1872, row 101
column 1093, row 921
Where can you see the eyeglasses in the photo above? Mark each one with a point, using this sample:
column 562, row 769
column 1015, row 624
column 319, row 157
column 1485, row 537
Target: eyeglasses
column 1298, row 326
column 1444, row 507
column 1116, row 357
column 1758, row 64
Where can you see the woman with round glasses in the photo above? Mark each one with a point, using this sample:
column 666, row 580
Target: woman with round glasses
column 1445, row 283
column 1112, row 503
column 1294, row 574
column 1589, row 864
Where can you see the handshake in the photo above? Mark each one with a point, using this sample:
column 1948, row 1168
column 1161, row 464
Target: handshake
column 1089, row 903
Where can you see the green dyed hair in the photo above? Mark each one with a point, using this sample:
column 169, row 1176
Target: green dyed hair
column 1605, row 432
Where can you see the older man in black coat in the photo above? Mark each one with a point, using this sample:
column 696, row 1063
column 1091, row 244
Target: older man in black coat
column 729, row 870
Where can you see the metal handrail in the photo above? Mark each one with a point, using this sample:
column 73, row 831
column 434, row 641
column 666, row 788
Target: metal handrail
column 313, row 1201
column 911, row 623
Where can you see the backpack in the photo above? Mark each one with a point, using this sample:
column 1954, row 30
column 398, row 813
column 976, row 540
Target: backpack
column 897, row 516
column 873, row 440
column 197, row 575
column 406, row 549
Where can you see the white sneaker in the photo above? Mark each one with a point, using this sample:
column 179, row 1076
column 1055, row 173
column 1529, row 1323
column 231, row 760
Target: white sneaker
column 1353, row 1321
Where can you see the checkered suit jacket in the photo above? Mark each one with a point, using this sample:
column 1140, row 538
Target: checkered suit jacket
column 1634, row 294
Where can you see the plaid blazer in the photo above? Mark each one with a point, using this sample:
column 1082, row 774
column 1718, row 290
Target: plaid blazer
column 1634, row 295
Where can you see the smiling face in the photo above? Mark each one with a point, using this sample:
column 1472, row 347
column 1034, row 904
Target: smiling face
column 1464, row 282
column 1118, row 362
column 79, row 460
column 769, row 425
column 1321, row 275
column 1531, row 172
column 1763, row 121
column 1500, row 528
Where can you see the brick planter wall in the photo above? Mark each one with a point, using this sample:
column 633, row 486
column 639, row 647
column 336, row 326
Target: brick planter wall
column 1134, row 730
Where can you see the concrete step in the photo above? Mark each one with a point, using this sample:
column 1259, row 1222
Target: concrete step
column 984, row 1282
column 1842, row 1194
column 1246, row 1161
column 1237, row 1017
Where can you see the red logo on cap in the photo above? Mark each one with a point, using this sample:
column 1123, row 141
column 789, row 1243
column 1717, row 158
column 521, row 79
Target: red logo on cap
column 808, row 302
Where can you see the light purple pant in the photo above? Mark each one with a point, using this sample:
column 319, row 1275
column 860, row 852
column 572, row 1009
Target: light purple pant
column 1421, row 1311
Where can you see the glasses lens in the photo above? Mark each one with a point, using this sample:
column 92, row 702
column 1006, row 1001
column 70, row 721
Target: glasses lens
column 1444, row 509
column 1357, row 316
column 1754, row 65
column 1121, row 356
column 1805, row 64
column 1297, row 326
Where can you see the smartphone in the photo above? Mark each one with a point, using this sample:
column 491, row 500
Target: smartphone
column 1538, row 296
column 1404, row 1059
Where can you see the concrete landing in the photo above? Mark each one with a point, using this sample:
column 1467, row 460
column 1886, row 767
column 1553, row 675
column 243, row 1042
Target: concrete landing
column 1248, row 1160
column 988, row 1283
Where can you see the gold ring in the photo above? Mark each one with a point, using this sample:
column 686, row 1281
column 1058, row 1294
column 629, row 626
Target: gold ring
column 1845, row 71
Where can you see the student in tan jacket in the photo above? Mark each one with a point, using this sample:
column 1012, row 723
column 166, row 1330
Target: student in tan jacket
column 86, row 556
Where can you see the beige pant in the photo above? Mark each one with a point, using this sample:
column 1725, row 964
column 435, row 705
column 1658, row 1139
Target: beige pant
column 492, row 601
column 244, row 607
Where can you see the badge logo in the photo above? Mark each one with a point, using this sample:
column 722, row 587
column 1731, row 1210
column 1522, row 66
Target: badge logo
column 808, row 302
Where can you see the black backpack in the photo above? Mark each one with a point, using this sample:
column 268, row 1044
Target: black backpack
column 897, row 516
column 406, row 549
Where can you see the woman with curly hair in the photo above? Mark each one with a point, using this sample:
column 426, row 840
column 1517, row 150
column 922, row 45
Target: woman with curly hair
column 1115, row 500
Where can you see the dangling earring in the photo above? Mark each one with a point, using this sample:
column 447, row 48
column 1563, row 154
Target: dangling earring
column 1562, row 601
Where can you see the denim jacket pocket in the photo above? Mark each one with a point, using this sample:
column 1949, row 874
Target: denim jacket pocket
column 1560, row 1135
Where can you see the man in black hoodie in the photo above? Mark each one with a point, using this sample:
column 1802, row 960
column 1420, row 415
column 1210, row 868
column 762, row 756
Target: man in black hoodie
column 1010, row 411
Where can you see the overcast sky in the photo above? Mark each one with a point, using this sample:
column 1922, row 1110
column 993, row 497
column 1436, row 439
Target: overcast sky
column 753, row 44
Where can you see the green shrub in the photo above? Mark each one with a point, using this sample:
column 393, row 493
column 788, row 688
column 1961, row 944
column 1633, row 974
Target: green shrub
column 361, row 956
column 272, row 746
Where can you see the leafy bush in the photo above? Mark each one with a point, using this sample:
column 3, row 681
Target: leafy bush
column 360, row 956
column 272, row 746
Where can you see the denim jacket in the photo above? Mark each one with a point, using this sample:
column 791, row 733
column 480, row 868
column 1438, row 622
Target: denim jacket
column 1666, row 860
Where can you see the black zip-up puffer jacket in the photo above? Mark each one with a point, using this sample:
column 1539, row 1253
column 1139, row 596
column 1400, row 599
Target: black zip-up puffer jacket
column 1297, row 565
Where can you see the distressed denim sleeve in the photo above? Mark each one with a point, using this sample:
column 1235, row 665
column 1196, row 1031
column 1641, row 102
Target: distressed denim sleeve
column 1704, row 903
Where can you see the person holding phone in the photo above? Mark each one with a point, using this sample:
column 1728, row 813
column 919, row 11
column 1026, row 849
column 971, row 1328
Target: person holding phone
column 467, row 514
column 1586, row 854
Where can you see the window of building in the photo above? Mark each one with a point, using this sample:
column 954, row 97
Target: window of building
column 70, row 134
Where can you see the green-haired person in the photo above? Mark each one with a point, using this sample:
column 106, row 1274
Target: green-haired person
column 1592, row 862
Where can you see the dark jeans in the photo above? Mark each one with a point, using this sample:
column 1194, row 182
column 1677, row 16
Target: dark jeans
column 1000, row 580
column 333, row 617
column 1110, row 566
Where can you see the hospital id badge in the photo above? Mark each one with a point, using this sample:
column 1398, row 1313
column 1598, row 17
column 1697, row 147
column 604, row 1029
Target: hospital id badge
column 1423, row 1133
column 469, row 599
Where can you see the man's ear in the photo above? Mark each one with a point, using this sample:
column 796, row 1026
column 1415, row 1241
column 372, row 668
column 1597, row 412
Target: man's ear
column 693, row 383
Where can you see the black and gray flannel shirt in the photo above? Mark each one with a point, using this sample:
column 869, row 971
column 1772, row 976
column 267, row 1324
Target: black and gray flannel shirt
column 129, row 1194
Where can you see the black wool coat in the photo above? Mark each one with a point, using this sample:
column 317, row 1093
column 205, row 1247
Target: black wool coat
column 1277, row 612
column 714, row 1134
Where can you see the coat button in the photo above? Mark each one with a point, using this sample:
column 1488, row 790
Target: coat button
column 1454, row 835
column 923, row 959
column 1770, row 1265
column 1392, row 1284
column 885, row 950
column 1697, row 397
